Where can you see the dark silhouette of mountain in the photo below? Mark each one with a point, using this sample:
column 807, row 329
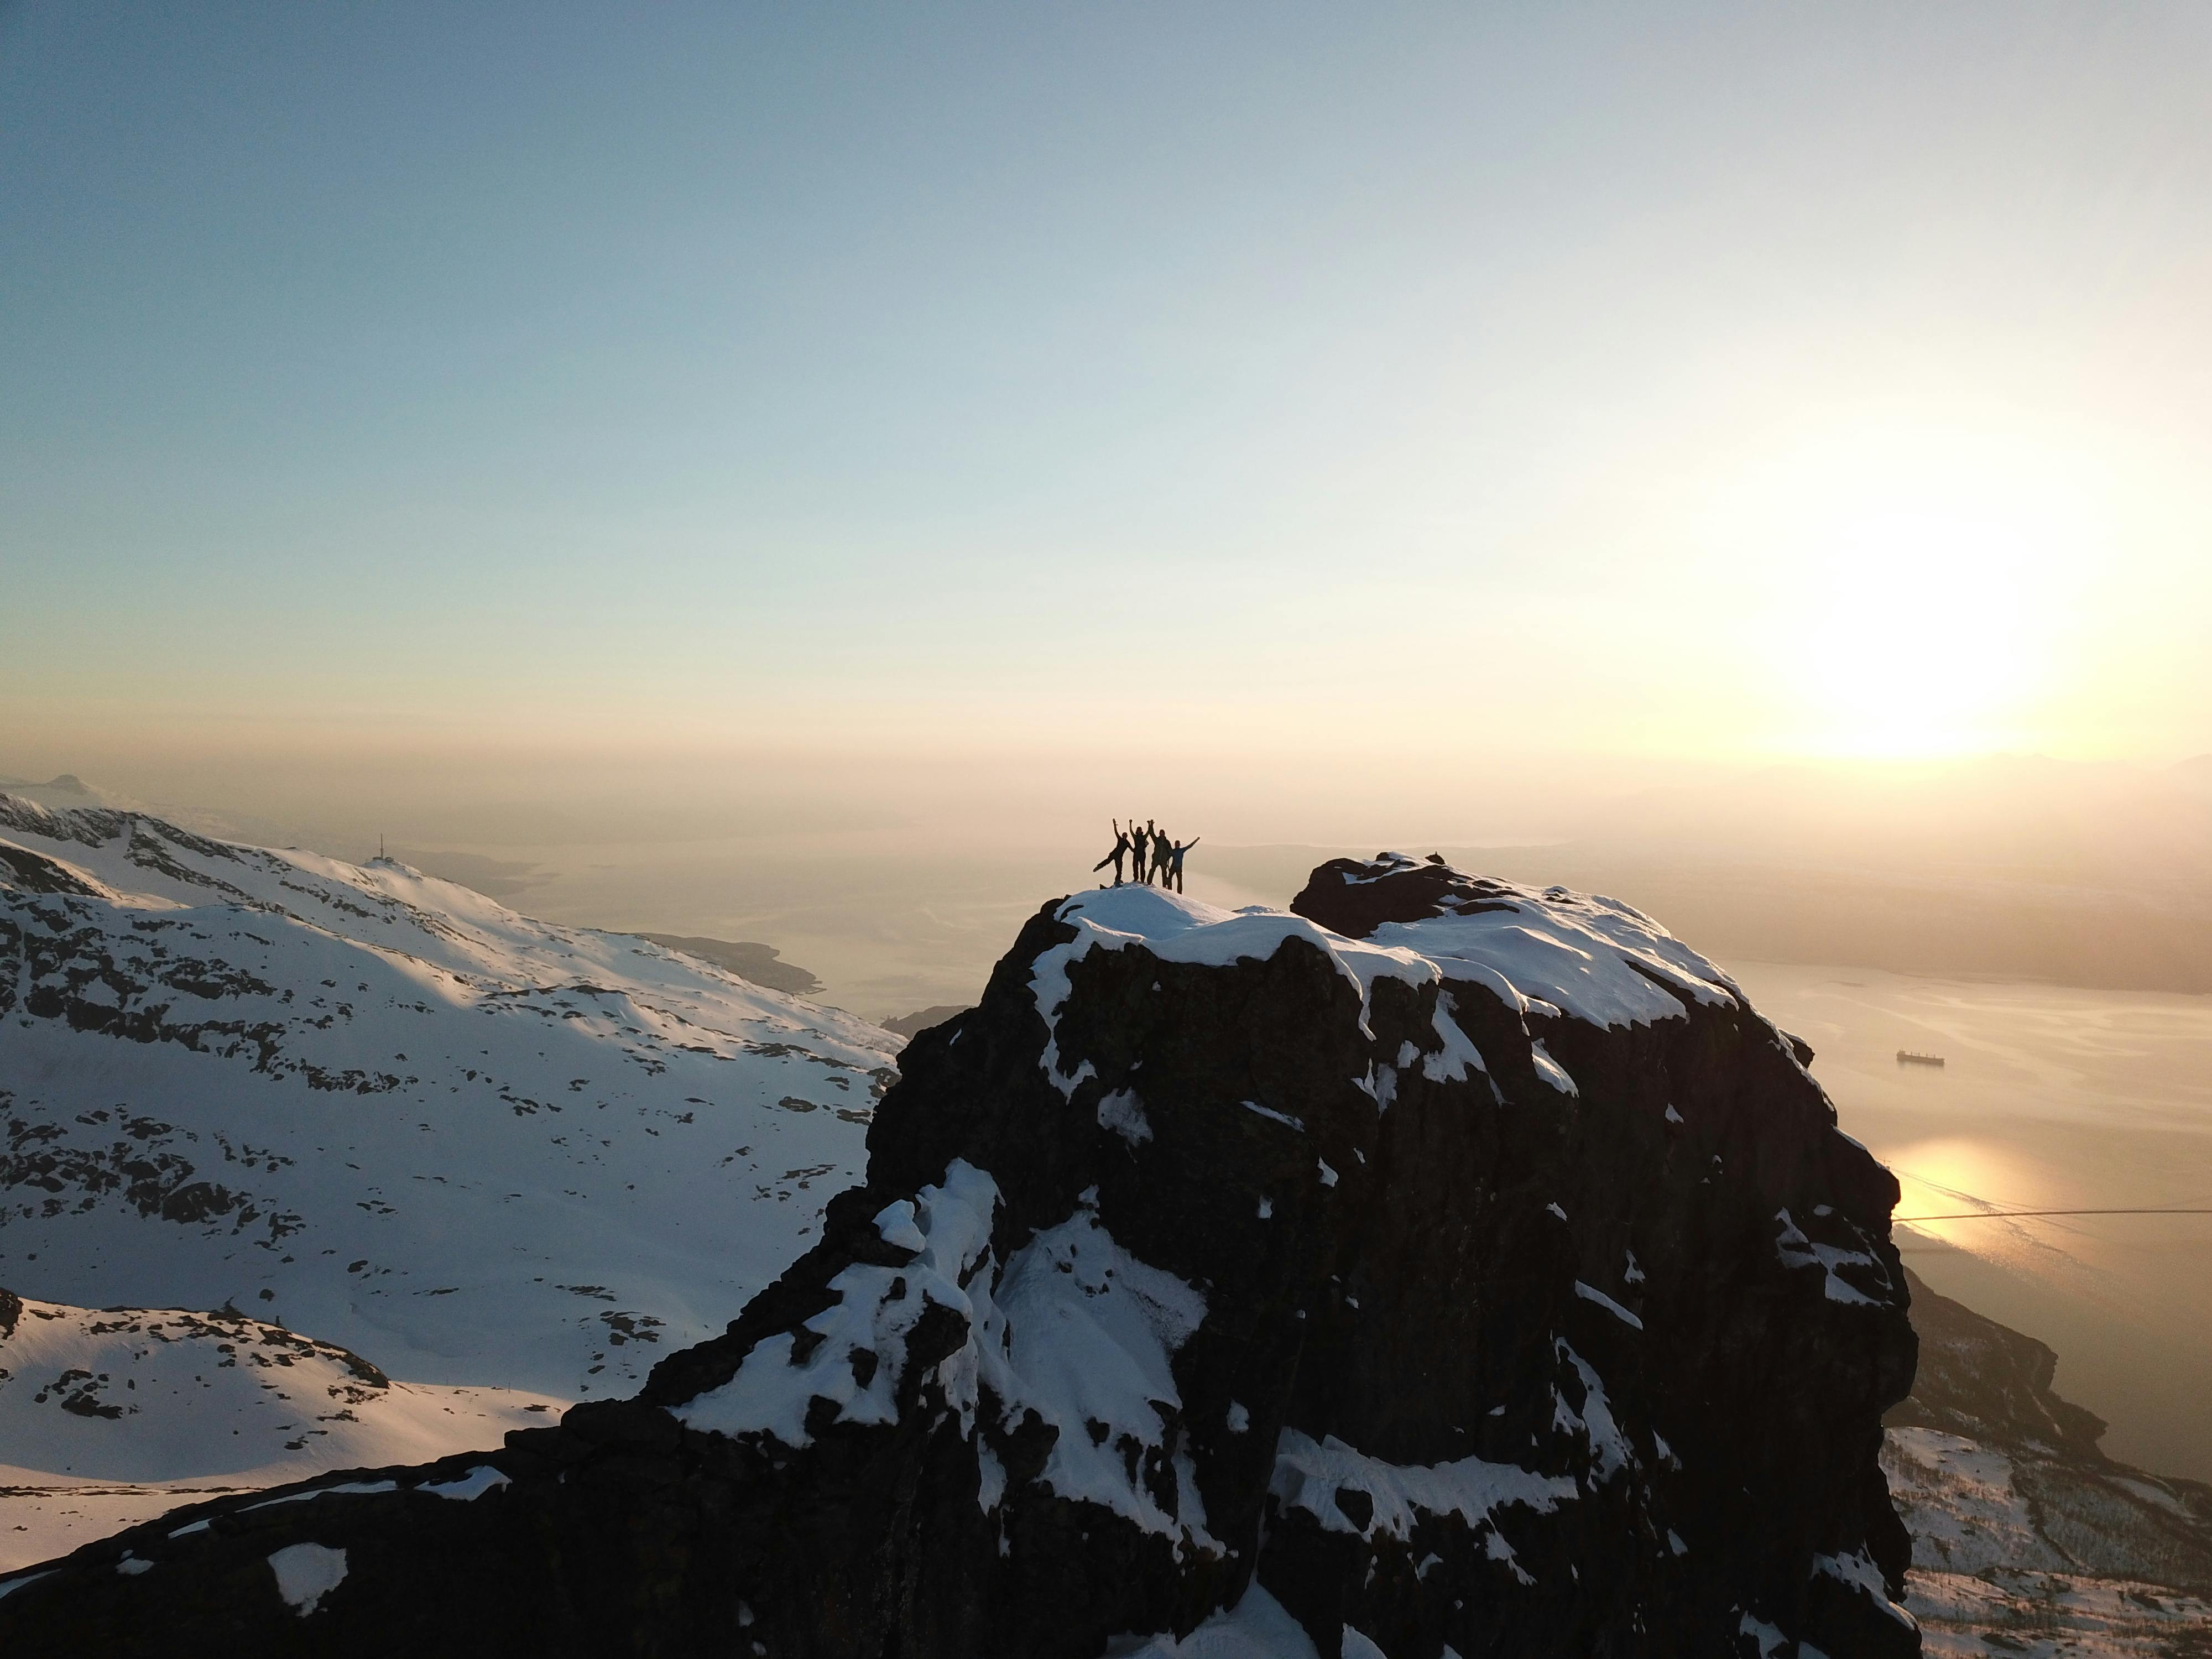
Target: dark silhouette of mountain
column 1987, row 1380
column 912, row 1025
column 1497, row 1283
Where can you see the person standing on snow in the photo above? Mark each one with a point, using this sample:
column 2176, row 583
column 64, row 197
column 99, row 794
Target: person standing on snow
column 1137, row 838
column 1120, row 851
column 1159, row 854
column 1175, row 860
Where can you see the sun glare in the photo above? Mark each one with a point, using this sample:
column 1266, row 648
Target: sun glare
column 1959, row 1176
column 1925, row 580
column 1923, row 636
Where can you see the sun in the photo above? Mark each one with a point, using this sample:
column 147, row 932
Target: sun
column 1923, row 636
column 1922, row 582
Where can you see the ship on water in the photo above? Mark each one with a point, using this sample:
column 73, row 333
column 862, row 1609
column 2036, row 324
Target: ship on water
column 1907, row 1057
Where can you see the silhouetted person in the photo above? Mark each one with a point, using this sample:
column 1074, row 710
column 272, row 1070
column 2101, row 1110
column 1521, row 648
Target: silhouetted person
column 1139, row 838
column 1175, row 860
column 1159, row 855
column 1120, row 851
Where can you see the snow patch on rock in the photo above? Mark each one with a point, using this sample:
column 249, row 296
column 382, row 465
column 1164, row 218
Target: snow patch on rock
column 1589, row 956
column 1072, row 1327
column 1184, row 930
column 306, row 1573
column 1308, row 1476
column 1257, row 1627
column 1797, row 1250
column 1123, row 1114
column 473, row 1485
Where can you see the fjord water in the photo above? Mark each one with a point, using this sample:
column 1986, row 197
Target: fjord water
column 2050, row 1098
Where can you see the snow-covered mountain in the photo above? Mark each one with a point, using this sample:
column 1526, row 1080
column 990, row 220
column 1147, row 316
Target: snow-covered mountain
column 58, row 793
column 109, row 1416
column 381, row 1108
column 1445, row 1265
column 2026, row 1539
column 1440, row 1248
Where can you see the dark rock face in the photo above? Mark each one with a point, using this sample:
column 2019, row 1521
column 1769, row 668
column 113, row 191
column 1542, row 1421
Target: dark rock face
column 1500, row 1284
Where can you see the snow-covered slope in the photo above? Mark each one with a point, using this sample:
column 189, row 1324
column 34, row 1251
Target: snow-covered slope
column 146, row 1393
column 381, row 1108
column 109, row 1416
column 1989, row 1575
column 2026, row 1539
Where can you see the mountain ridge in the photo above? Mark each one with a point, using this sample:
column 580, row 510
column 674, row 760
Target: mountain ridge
column 376, row 1105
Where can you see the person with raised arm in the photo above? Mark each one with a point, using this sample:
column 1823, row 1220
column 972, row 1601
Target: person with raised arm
column 1120, row 851
column 1175, row 851
column 1137, row 838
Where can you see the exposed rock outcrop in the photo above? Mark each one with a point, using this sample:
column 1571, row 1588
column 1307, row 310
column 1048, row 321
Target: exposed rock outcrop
column 1447, row 1267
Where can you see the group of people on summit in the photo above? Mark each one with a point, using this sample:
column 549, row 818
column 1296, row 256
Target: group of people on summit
column 1147, row 841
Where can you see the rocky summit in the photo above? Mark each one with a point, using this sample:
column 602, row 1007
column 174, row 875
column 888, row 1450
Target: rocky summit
column 1443, row 1267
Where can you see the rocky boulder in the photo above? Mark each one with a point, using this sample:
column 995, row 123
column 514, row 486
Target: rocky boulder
column 1447, row 1267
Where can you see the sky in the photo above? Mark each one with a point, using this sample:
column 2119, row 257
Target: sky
column 1335, row 393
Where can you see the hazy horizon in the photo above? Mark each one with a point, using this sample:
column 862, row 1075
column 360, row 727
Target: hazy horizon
column 901, row 894
column 1728, row 384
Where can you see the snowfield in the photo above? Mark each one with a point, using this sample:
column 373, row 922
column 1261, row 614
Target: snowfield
column 385, row 1109
column 472, row 1149
column 2023, row 1557
column 111, row 1417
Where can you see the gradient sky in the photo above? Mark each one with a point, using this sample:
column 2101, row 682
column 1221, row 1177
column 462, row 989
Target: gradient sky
column 1686, row 380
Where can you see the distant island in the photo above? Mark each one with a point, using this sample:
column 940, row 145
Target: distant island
column 760, row 963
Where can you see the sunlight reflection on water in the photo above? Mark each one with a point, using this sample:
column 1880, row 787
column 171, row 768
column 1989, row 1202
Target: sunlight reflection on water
column 2050, row 1097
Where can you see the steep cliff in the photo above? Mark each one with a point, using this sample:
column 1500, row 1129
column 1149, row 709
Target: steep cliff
column 1448, row 1268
